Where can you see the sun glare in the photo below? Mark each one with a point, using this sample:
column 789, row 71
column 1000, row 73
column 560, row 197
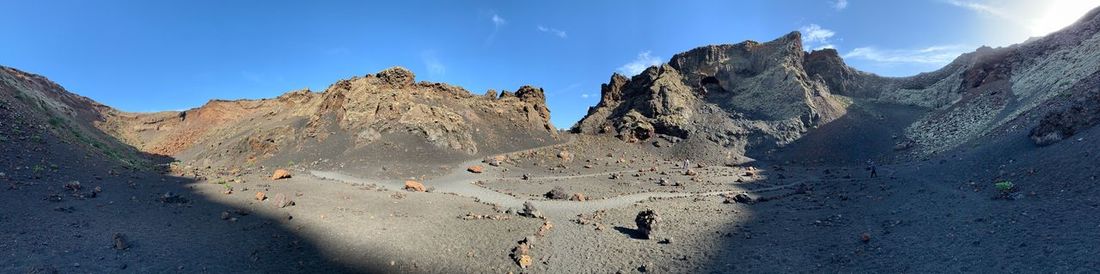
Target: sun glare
column 1057, row 14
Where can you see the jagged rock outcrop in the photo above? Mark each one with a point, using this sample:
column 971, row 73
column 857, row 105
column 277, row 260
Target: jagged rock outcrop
column 723, row 95
column 760, row 95
column 359, row 119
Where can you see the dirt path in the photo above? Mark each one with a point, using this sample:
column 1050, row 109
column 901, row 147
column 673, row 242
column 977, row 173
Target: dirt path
column 462, row 184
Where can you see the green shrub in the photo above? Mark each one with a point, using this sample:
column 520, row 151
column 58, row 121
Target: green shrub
column 1004, row 186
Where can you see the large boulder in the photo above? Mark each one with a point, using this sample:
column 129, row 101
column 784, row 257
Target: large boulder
column 648, row 224
column 414, row 186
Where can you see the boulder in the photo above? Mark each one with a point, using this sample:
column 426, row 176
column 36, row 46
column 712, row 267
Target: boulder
column 578, row 197
column 529, row 210
column 120, row 242
column 557, row 193
column 282, row 201
column 648, row 224
column 743, row 198
column 475, row 169
column 280, row 174
column 565, row 156
column 414, row 186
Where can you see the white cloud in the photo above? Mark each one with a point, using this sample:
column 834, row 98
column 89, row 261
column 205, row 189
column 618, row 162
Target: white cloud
column 815, row 37
column 432, row 63
column 643, row 61
column 559, row 33
column 498, row 21
column 839, row 4
column 585, row 95
column 976, row 6
column 930, row 55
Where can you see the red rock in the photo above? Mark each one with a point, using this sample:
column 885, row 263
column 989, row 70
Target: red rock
column 280, row 174
column 475, row 169
column 414, row 186
column 578, row 197
column 260, row 196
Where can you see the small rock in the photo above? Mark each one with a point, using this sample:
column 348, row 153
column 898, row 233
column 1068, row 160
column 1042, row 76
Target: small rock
column 557, row 193
column 120, row 241
column 414, row 186
column 565, row 156
column 578, row 197
column 526, row 177
column 73, row 186
column 544, row 229
column 665, row 182
column 172, row 198
column 280, row 174
column 475, row 169
column 226, row 215
column 743, row 198
column 529, row 210
column 282, row 201
column 865, row 237
column 690, row 172
column 260, row 196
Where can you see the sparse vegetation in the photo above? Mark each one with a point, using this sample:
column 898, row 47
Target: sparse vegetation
column 1004, row 186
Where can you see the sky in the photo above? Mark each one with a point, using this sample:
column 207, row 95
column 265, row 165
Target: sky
column 173, row 55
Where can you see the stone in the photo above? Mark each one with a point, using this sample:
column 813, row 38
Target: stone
column 260, row 196
column 648, row 223
column 565, row 156
column 120, row 243
column 172, row 198
column 280, row 174
column 414, row 186
column 282, row 201
column 495, row 160
column 743, row 198
column 578, row 197
column 557, row 193
column 529, row 210
column 72, row 186
column 475, row 169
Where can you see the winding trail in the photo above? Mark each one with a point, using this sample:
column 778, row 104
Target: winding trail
column 461, row 182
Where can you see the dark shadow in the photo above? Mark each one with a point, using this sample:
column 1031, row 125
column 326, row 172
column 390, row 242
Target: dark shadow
column 633, row 233
column 75, row 201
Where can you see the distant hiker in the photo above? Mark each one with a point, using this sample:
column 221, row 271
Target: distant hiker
column 871, row 167
column 687, row 163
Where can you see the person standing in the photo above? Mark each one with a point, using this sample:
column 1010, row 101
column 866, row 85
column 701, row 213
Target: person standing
column 871, row 168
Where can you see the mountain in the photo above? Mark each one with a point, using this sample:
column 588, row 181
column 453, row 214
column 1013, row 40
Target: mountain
column 752, row 96
column 719, row 99
column 375, row 121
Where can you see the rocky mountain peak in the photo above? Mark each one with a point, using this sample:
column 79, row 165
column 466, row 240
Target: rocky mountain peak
column 717, row 94
column 397, row 76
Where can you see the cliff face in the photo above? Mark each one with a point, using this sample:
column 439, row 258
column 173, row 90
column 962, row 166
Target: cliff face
column 770, row 94
column 367, row 119
column 44, row 128
column 728, row 96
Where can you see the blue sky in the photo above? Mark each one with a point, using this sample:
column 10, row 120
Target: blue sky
column 171, row 55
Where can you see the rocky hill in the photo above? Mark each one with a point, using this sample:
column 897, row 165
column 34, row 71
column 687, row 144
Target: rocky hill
column 46, row 128
column 763, row 96
column 379, row 121
column 718, row 99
